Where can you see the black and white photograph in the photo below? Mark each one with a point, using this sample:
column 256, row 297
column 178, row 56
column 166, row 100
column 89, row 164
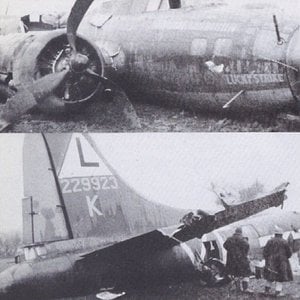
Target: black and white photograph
column 149, row 216
column 149, row 149
column 149, row 65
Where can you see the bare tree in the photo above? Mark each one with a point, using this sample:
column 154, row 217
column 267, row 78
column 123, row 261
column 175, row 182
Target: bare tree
column 231, row 195
column 9, row 244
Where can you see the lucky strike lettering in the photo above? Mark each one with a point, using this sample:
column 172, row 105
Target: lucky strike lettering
column 246, row 72
column 249, row 79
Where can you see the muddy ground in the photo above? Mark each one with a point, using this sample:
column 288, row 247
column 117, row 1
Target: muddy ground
column 105, row 117
column 194, row 290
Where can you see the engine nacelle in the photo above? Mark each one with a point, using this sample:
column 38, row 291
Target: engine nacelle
column 25, row 58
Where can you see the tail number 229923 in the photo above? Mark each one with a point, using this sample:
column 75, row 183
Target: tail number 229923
column 86, row 184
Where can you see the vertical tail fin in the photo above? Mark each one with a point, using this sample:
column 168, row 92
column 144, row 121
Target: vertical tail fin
column 96, row 200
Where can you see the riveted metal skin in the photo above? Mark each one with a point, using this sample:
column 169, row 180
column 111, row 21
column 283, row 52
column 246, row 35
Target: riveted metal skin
column 189, row 57
column 201, row 59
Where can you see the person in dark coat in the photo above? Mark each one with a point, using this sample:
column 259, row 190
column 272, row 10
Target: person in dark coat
column 237, row 264
column 277, row 268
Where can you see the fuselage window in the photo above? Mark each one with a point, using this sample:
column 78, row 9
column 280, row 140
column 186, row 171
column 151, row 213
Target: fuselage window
column 175, row 4
column 198, row 47
column 223, row 47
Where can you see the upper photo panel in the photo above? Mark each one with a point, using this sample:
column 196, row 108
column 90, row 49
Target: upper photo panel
column 149, row 65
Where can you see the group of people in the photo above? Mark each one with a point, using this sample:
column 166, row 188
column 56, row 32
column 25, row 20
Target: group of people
column 276, row 254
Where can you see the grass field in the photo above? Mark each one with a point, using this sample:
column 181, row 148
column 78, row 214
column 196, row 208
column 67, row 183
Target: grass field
column 5, row 263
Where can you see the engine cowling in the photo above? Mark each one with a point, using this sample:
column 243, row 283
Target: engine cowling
column 25, row 58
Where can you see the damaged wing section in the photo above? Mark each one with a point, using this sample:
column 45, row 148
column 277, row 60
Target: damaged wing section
column 136, row 250
column 146, row 244
column 201, row 223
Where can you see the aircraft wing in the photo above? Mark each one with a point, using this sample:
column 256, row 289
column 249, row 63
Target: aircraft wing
column 231, row 213
column 136, row 247
column 148, row 244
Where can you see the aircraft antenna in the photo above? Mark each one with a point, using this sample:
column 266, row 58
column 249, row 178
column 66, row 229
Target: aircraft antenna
column 60, row 195
column 279, row 63
column 280, row 40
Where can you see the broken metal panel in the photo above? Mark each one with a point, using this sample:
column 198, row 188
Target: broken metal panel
column 196, row 225
column 243, row 210
column 39, row 183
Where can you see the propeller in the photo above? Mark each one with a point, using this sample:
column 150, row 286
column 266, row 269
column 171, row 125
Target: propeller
column 41, row 91
column 77, row 13
column 28, row 96
column 122, row 102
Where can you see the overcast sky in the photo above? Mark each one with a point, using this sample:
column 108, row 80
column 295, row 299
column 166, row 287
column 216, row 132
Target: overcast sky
column 175, row 169
column 22, row 7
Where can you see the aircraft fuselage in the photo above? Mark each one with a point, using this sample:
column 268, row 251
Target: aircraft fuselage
column 202, row 58
column 64, row 275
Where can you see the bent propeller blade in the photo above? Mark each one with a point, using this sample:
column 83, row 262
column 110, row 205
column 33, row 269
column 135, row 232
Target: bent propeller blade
column 77, row 13
column 122, row 102
column 27, row 97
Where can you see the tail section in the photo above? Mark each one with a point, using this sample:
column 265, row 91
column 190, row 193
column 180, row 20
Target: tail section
column 99, row 202
column 96, row 200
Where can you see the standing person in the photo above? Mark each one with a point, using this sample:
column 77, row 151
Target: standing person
column 237, row 264
column 277, row 268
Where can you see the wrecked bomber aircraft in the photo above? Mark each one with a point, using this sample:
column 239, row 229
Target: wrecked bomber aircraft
column 196, row 57
column 87, row 230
